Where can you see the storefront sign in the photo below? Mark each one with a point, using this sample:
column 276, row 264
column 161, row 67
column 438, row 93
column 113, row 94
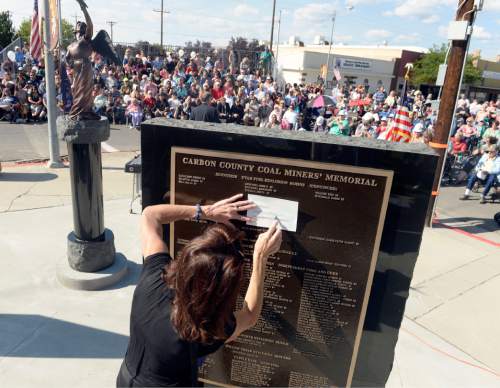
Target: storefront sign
column 354, row 64
column 491, row 75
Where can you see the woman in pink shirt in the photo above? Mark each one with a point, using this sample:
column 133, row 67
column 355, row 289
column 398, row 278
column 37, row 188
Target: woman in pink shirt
column 134, row 110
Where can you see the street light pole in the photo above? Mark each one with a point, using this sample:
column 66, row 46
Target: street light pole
column 330, row 48
column 55, row 159
column 277, row 48
column 161, row 28
column 272, row 27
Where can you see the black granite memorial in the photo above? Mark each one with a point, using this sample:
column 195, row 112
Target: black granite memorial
column 338, row 288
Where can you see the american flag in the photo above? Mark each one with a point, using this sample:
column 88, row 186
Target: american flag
column 36, row 38
column 401, row 131
column 336, row 73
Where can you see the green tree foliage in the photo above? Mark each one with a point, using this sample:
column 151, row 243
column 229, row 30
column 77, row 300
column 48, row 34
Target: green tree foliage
column 245, row 48
column 7, row 31
column 198, row 45
column 68, row 32
column 24, row 31
column 426, row 68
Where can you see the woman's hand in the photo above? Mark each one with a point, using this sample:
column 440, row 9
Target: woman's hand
column 228, row 209
column 268, row 242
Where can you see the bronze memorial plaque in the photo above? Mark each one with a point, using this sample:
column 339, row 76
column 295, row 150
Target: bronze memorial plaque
column 317, row 286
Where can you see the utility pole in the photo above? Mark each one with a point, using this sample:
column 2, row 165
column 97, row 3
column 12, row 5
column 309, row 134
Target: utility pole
column 55, row 159
column 272, row 27
column 75, row 15
column 111, row 24
column 330, row 48
column 452, row 82
column 162, row 12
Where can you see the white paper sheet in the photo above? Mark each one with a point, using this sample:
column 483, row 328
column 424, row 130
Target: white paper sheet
column 269, row 209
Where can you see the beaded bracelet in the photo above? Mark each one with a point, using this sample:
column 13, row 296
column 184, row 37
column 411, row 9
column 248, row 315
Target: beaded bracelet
column 198, row 213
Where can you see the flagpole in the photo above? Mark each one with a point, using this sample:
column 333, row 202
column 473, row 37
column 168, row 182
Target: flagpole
column 54, row 157
column 330, row 49
column 60, row 28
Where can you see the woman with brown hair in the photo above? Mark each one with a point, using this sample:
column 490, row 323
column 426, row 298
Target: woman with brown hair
column 183, row 309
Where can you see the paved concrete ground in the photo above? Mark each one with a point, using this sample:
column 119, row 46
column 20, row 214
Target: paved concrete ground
column 30, row 141
column 52, row 336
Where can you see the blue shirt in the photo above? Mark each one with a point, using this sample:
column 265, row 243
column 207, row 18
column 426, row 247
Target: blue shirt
column 19, row 57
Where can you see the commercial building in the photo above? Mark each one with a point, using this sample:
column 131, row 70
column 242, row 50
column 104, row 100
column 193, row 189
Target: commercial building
column 371, row 66
column 489, row 87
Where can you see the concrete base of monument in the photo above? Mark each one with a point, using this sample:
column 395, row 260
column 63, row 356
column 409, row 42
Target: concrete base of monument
column 92, row 281
column 91, row 256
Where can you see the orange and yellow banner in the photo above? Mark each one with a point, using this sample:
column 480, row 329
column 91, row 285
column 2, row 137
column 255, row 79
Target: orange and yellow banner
column 54, row 24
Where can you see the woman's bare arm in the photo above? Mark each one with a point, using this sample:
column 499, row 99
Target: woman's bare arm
column 267, row 244
column 154, row 217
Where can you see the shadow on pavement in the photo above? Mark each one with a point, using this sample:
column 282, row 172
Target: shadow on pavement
column 27, row 176
column 469, row 224
column 38, row 336
column 130, row 279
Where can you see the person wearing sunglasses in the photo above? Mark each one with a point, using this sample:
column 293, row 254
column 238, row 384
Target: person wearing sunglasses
column 184, row 309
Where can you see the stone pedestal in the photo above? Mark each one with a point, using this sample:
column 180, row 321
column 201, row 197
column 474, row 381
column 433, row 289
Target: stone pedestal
column 90, row 246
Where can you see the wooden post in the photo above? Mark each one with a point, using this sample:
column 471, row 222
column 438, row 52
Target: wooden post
column 452, row 82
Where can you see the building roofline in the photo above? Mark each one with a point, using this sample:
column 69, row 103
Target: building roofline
column 342, row 46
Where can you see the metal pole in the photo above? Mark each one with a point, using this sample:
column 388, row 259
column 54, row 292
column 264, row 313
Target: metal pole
column 161, row 29
column 60, row 28
column 452, row 82
column 165, row 33
column 330, row 48
column 55, row 159
column 272, row 26
column 277, row 49
column 111, row 24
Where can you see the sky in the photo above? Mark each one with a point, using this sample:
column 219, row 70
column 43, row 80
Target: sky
column 421, row 23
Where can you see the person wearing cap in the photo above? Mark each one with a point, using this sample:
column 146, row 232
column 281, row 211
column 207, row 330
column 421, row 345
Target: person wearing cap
column 339, row 126
column 143, row 81
column 382, row 127
column 125, row 88
column 486, row 171
column 269, row 85
column 365, row 128
column 417, row 134
column 251, row 110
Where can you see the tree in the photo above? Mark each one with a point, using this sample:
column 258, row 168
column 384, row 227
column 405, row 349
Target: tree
column 24, row 32
column 7, row 31
column 68, row 32
column 244, row 48
column 199, row 46
column 426, row 68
